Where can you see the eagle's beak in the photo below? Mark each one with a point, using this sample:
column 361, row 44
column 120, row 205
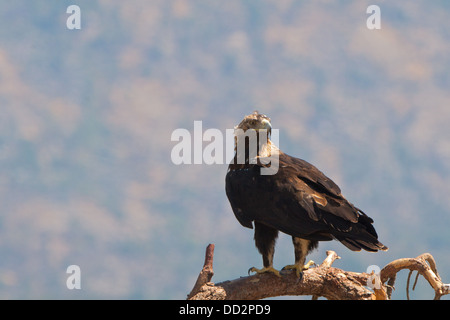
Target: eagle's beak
column 266, row 125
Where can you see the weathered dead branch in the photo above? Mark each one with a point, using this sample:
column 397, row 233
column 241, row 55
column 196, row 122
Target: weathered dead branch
column 424, row 265
column 321, row 281
column 207, row 271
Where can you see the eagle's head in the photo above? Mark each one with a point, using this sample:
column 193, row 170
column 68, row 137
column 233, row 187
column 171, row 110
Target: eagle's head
column 253, row 146
column 259, row 142
column 256, row 121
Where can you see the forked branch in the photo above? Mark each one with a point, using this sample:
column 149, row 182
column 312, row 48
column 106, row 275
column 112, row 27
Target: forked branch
column 424, row 265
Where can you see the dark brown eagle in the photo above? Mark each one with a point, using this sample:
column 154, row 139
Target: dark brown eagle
column 298, row 200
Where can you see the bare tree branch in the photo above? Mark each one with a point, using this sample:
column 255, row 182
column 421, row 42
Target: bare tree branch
column 424, row 265
column 207, row 271
column 321, row 281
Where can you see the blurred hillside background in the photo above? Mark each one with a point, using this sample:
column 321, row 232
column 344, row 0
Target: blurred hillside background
column 87, row 115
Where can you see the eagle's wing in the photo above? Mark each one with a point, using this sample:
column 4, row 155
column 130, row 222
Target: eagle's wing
column 301, row 201
column 311, row 175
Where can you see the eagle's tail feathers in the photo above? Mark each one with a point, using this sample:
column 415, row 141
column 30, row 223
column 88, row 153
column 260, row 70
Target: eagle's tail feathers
column 357, row 245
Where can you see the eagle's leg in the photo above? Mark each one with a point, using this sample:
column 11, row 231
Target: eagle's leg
column 301, row 248
column 265, row 238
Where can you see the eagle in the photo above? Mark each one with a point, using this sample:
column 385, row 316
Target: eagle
column 295, row 198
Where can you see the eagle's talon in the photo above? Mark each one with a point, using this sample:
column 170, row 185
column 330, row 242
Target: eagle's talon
column 265, row 270
column 299, row 269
